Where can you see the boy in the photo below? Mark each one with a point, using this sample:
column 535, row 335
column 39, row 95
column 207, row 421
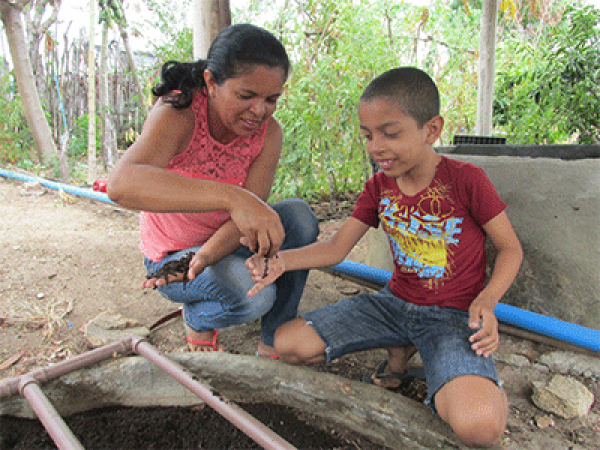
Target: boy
column 436, row 213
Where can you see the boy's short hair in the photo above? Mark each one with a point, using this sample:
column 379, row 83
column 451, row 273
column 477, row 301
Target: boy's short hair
column 412, row 89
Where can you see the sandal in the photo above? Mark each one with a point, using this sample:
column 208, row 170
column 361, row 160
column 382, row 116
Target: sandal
column 212, row 343
column 405, row 377
column 273, row 356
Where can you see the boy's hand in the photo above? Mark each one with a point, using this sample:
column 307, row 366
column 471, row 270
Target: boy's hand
column 486, row 340
column 264, row 271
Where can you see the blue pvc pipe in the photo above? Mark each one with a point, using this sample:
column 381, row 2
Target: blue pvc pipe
column 539, row 323
column 82, row 192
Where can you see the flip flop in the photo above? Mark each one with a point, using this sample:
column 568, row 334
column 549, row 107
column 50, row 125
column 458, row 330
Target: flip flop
column 405, row 377
column 212, row 343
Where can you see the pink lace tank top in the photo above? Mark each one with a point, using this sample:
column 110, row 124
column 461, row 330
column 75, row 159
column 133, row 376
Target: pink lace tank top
column 207, row 159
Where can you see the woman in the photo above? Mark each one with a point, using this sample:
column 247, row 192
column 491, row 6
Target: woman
column 201, row 171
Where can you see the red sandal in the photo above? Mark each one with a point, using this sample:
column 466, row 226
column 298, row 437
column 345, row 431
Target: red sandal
column 212, row 343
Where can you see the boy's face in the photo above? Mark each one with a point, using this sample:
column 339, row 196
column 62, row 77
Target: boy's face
column 394, row 139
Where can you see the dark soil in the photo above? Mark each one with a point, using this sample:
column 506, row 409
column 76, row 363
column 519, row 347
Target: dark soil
column 201, row 427
column 174, row 268
column 175, row 428
column 194, row 427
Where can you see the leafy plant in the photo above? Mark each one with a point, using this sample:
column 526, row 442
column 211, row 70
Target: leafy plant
column 549, row 95
column 16, row 142
column 174, row 40
column 337, row 48
column 546, row 91
column 78, row 139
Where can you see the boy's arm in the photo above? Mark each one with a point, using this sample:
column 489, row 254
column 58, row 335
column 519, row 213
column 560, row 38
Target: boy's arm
column 323, row 253
column 328, row 252
column 506, row 268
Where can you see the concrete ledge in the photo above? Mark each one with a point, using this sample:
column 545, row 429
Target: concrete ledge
column 565, row 152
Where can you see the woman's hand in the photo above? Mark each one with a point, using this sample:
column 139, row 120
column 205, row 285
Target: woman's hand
column 264, row 271
column 259, row 224
column 176, row 271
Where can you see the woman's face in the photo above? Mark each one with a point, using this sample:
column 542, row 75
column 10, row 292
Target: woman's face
column 240, row 105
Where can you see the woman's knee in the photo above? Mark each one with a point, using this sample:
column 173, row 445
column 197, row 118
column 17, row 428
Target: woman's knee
column 256, row 307
column 299, row 220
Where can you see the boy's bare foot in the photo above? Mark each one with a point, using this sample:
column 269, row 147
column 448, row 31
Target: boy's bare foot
column 206, row 341
column 390, row 373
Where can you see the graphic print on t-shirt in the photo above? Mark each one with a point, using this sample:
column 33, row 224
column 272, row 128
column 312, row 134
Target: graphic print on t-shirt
column 422, row 231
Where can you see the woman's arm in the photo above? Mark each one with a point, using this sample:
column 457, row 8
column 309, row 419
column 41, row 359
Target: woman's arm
column 140, row 181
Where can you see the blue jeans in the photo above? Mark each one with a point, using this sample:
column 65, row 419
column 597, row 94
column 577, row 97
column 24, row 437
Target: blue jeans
column 217, row 297
column 367, row 321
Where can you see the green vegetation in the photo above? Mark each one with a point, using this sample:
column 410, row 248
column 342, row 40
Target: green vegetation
column 549, row 93
column 546, row 90
column 16, row 142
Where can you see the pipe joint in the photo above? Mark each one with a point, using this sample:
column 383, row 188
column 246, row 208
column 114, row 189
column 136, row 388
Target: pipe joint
column 26, row 380
column 135, row 341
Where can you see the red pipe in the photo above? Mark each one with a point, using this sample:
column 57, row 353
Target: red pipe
column 255, row 429
column 28, row 386
column 58, row 430
column 42, row 375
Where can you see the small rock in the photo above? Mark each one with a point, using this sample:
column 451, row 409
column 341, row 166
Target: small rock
column 32, row 188
column 544, row 421
column 518, row 360
column 107, row 328
column 565, row 397
column 541, row 367
column 114, row 322
column 569, row 363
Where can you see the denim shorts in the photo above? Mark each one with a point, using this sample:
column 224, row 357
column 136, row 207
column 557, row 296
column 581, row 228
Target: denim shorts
column 368, row 321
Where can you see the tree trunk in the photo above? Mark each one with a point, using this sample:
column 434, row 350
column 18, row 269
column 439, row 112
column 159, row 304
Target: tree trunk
column 213, row 16
column 40, row 130
column 63, row 153
column 487, row 57
column 91, row 176
column 108, row 154
column 36, row 31
column 132, row 67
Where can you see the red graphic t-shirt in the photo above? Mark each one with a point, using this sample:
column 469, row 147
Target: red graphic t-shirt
column 436, row 236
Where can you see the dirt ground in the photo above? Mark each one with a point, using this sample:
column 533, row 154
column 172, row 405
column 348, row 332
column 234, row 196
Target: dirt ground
column 64, row 260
